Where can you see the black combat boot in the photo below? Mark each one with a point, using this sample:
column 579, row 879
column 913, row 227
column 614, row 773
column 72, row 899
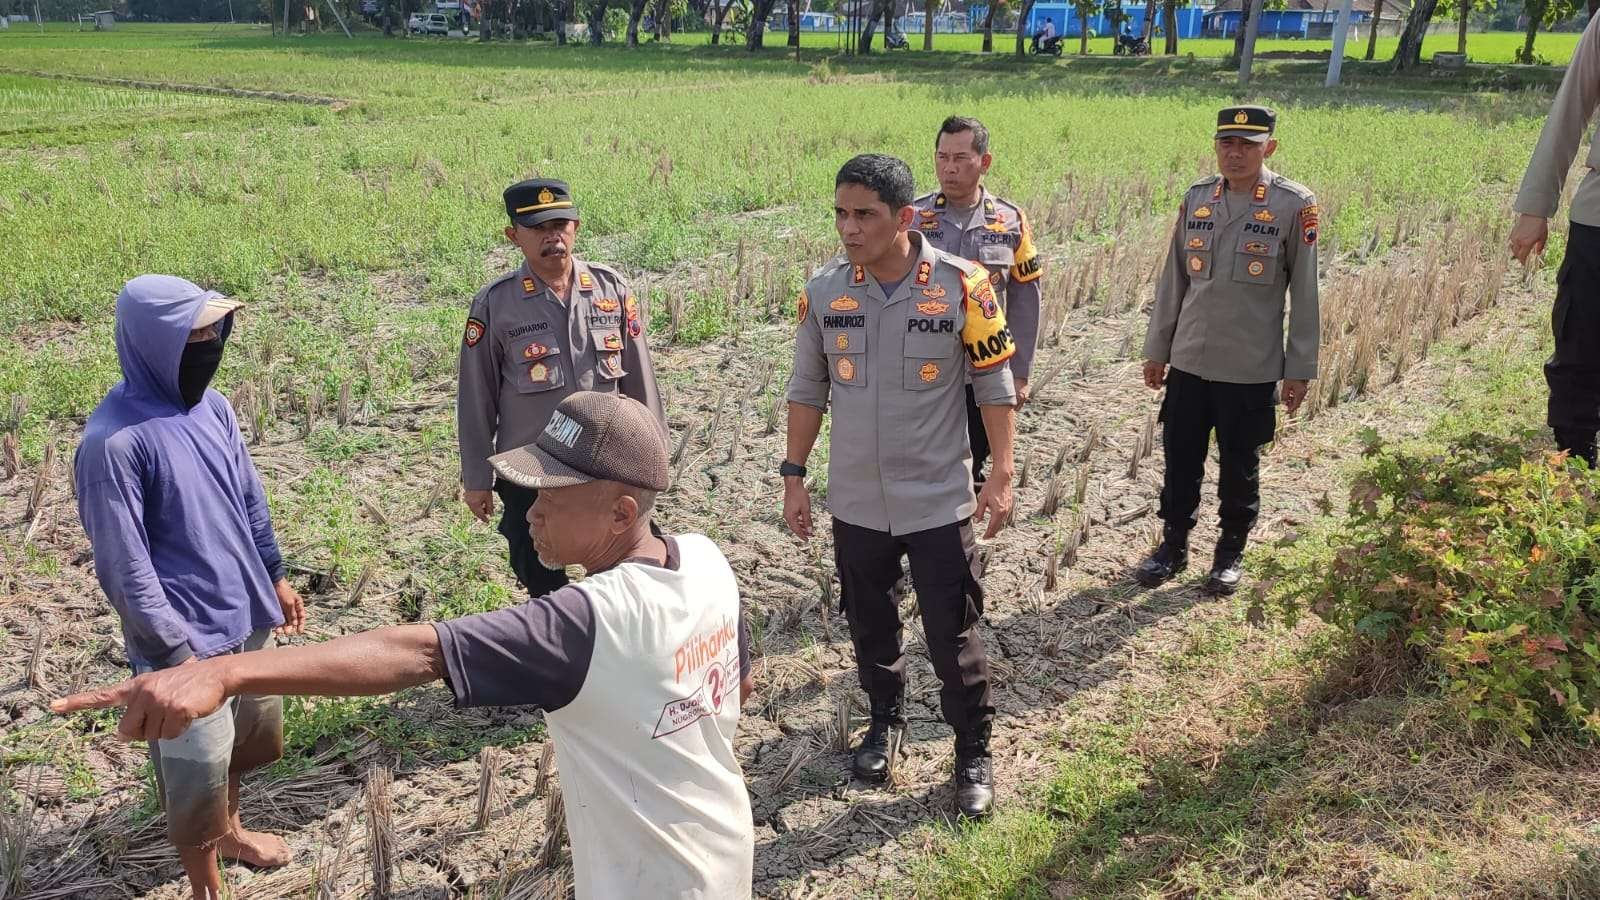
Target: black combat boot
column 974, row 773
column 1227, row 566
column 1578, row 443
column 871, row 761
column 1169, row 559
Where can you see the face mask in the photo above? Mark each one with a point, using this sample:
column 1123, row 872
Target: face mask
column 196, row 369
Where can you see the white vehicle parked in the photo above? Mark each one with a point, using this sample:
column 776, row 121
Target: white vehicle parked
column 428, row 23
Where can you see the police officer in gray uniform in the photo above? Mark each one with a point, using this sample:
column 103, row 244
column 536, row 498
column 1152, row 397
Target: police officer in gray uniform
column 963, row 218
column 890, row 334
column 555, row 325
column 1244, row 239
column 1573, row 370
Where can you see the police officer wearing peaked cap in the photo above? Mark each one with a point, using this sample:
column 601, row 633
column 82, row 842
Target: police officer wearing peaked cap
column 1245, row 241
column 889, row 335
column 555, row 325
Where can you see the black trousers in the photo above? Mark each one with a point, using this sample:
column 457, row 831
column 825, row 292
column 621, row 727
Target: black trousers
column 1573, row 370
column 515, row 501
column 1243, row 416
column 944, row 569
column 977, row 437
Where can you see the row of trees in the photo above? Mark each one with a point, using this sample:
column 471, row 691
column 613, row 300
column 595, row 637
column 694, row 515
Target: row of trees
column 750, row 17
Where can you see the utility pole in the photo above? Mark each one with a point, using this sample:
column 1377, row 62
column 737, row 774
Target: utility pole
column 1248, row 54
column 1341, row 31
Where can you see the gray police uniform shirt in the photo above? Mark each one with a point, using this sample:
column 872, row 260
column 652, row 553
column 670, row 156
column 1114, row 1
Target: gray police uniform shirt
column 994, row 234
column 1219, row 308
column 894, row 369
column 525, row 349
column 1575, row 101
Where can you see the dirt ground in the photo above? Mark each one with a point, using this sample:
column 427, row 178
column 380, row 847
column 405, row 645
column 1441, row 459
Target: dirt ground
column 817, row 834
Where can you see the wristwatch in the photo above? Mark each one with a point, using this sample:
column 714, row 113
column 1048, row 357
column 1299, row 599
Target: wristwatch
column 791, row 470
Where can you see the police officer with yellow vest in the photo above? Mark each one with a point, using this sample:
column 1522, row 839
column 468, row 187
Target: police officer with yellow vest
column 889, row 335
column 1245, row 238
column 555, row 325
column 963, row 218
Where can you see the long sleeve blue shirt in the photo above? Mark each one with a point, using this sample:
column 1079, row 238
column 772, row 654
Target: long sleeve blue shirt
column 173, row 506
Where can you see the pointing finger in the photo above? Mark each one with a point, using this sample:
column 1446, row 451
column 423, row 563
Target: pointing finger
column 101, row 699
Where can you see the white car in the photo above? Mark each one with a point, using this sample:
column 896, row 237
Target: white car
column 428, row 23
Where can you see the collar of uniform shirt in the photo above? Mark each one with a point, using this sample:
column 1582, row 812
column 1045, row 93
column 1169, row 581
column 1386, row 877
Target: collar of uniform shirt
column 558, row 291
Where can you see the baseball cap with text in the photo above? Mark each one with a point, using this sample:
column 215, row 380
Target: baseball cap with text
column 592, row 436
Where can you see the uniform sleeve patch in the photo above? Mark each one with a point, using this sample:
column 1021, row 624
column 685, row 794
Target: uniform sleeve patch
column 474, row 333
column 984, row 333
column 805, row 307
column 1308, row 223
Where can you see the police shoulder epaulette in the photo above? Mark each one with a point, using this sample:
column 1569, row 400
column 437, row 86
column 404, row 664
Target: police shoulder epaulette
column 960, row 264
column 925, row 200
column 1294, row 187
column 1207, row 181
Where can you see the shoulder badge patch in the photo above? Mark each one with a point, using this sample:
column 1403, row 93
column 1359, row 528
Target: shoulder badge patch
column 1308, row 223
column 474, row 333
column 805, row 307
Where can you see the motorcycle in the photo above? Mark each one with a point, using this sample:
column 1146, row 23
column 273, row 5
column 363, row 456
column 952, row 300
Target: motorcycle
column 1050, row 46
column 1128, row 45
column 896, row 40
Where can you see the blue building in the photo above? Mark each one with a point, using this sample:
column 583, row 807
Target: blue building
column 1190, row 19
column 1299, row 18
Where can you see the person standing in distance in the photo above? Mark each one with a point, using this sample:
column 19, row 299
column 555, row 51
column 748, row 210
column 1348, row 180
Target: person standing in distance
column 1573, row 370
column 889, row 334
column 555, row 325
column 963, row 218
column 1245, row 241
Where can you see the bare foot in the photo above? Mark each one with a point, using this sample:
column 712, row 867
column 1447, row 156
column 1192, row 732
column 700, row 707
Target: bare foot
column 255, row 848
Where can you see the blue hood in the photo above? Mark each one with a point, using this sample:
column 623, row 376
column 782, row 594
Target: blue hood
column 155, row 314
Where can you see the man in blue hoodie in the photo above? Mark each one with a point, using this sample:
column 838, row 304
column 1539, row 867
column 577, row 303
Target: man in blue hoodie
column 184, row 549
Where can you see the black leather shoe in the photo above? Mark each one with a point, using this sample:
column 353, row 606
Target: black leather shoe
column 1227, row 566
column 871, row 762
column 1169, row 559
column 974, row 774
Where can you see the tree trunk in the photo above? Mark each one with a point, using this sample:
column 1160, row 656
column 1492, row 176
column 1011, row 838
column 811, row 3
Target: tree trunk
column 1409, row 54
column 930, row 9
column 1169, row 21
column 664, row 20
column 561, row 23
column 1594, row 7
column 485, row 26
column 1534, row 10
column 1372, row 36
column 716, row 24
column 794, row 23
column 1083, row 29
column 755, row 33
column 1244, row 25
column 634, row 15
column 988, row 27
column 1022, row 28
column 597, row 23
column 388, row 19
column 1461, row 33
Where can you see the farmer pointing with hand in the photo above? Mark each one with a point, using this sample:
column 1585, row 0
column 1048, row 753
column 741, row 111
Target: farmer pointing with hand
column 641, row 668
